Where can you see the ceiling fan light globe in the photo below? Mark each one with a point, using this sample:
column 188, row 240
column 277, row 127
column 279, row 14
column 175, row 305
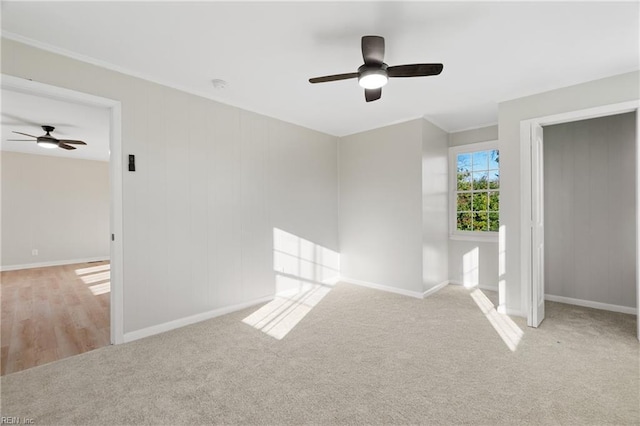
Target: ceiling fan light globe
column 373, row 79
column 49, row 144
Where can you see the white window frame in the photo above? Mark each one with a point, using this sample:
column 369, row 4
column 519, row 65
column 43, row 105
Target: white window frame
column 454, row 233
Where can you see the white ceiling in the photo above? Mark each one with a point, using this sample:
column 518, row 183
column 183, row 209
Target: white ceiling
column 266, row 51
column 27, row 113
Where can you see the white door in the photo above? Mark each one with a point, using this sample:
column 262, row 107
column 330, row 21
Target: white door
column 537, row 227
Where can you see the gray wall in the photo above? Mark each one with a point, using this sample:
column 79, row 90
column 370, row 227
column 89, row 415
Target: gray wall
column 393, row 207
column 481, row 134
column 590, row 211
column 435, row 208
column 212, row 183
column 487, row 251
column 611, row 90
column 381, row 206
column 58, row 206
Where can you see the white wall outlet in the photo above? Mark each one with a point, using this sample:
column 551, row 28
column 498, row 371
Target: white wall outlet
column 34, row 252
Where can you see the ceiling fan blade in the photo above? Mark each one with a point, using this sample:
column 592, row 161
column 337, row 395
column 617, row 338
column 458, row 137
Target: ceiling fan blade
column 414, row 70
column 65, row 146
column 373, row 50
column 71, row 141
column 25, row 134
column 372, row 94
column 20, row 140
column 335, row 77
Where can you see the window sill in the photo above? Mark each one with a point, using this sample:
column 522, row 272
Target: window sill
column 484, row 237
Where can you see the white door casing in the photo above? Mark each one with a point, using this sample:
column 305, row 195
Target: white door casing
column 115, row 182
column 532, row 213
column 537, row 226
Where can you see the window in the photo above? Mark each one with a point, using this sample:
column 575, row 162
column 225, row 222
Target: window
column 475, row 194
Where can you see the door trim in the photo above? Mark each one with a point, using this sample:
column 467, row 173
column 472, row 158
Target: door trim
column 536, row 314
column 115, row 182
column 527, row 198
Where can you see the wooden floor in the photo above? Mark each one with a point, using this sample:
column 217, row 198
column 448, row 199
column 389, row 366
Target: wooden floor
column 53, row 313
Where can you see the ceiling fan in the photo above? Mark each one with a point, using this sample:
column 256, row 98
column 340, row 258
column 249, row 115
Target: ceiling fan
column 374, row 73
column 48, row 141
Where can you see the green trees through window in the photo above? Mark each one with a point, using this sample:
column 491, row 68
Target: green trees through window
column 478, row 191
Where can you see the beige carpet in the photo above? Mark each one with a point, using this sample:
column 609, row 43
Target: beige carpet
column 360, row 356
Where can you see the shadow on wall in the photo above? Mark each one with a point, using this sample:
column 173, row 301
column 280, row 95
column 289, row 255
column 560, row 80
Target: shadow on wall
column 304, row 274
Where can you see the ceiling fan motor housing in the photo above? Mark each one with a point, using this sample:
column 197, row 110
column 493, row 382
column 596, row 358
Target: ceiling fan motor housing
column 47, row 141
column 47, row 138
column 373, row 76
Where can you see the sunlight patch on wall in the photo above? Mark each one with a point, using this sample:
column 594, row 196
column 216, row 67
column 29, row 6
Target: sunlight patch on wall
column 302, row 259
column 508, row 330
column 471, row 268
column 296, row 256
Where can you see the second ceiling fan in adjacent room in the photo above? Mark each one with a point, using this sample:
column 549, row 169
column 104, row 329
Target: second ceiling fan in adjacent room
column 48, row 141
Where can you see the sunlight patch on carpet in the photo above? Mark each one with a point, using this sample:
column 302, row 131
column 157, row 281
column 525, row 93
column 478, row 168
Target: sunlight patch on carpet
column 278, row 317
column 508, row 330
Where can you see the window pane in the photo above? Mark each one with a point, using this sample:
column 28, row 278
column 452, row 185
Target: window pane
column 494, row 179
column 481, row 160
column 464, row 162
column 480, row 221
column 480, row 180
column 464, row 221
column 494, row 201
column 477, row 186
column 464, row 181
column 494, row 221
column 480, row 201
column 494, row 159
column 464, row 202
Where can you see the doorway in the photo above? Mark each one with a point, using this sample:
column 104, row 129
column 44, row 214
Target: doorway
column 115, row 220
column 532, row 188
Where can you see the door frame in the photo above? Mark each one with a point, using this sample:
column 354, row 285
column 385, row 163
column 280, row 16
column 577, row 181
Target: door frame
column 115, row 182
column 535, row 315
column 528, row 199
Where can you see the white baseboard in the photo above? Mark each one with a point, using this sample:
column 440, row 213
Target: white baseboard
column 53, row 263
column 171, row 325
column 481, row 286
column 435, row 289
column 590, row 304
column 387, row 288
